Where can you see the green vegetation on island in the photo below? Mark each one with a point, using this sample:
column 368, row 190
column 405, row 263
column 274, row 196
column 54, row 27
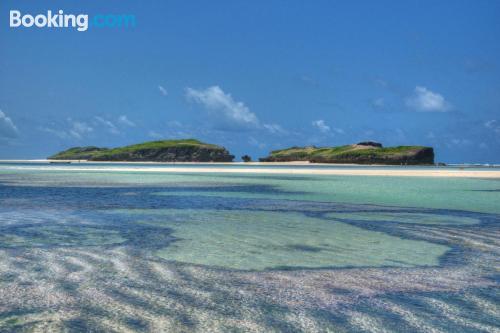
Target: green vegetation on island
column 361, row 153
column 187, row 150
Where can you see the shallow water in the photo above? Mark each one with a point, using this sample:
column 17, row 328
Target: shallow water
column 131, row 251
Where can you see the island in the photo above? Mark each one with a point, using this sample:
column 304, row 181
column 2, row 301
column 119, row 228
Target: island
column 361, row 153
column 188, row 150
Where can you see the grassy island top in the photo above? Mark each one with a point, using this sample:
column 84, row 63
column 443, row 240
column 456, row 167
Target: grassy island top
column 344, row 150
column 368, row 152
column 92, row 152
column 161, row 144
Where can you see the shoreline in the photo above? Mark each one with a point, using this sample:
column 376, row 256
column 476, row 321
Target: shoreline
column 487, row 174
column 253, row 163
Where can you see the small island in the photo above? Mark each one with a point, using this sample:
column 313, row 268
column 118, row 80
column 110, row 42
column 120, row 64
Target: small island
column 362, row 153
column 188, row 150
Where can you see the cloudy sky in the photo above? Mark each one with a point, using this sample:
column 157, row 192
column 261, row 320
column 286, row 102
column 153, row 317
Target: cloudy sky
column 256, row 76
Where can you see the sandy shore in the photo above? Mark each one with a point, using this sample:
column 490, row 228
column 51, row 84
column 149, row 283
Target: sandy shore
column 255, row 163
column 285, row 171
column 170, row 163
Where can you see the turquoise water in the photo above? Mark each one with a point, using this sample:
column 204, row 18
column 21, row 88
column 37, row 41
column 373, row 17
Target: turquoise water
column 165, row 252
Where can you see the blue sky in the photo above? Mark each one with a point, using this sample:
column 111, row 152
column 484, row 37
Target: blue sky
column 256, row 76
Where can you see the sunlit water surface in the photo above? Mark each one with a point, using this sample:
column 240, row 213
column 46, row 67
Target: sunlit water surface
column 123, row 251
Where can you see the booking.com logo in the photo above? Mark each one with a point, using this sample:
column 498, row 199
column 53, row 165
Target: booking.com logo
column 80, row 22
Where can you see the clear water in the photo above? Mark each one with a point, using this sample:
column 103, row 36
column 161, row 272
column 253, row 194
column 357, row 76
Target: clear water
column 145, row 251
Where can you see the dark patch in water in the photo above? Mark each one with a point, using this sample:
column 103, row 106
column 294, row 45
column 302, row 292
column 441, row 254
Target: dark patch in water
column 304, row 248
column 340, row 291
column 80, row 325
column 67, row 286
column 498, row 190
column 137, row 324
column 267, row 177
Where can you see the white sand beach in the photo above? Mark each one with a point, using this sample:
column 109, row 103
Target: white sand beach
column 290, row 170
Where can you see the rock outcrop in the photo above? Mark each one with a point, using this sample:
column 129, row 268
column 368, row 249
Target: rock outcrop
column 370, row 143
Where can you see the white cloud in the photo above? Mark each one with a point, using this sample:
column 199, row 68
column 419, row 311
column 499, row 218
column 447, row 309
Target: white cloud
column 76, row 130
column 7, row 127
column 174, row 123
column 369, row 133
column 427, row 101
column 254, row 142
column 309, row 80
column 493, row 125
column 275, row 129
column 321, row 125
column 123, row 119
column 339, row 130
column 163, row 90
column 378, row 103
column 382, row 83
column 222, row 104
column 155, row 135
column 400, row 135
column 59, row 133
column 108, row 124
column 79, row 129
column 176, row 130
column 490, row 123
column 458, row 142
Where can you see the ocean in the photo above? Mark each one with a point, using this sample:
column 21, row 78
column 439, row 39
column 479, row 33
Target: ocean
column 107, row 249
